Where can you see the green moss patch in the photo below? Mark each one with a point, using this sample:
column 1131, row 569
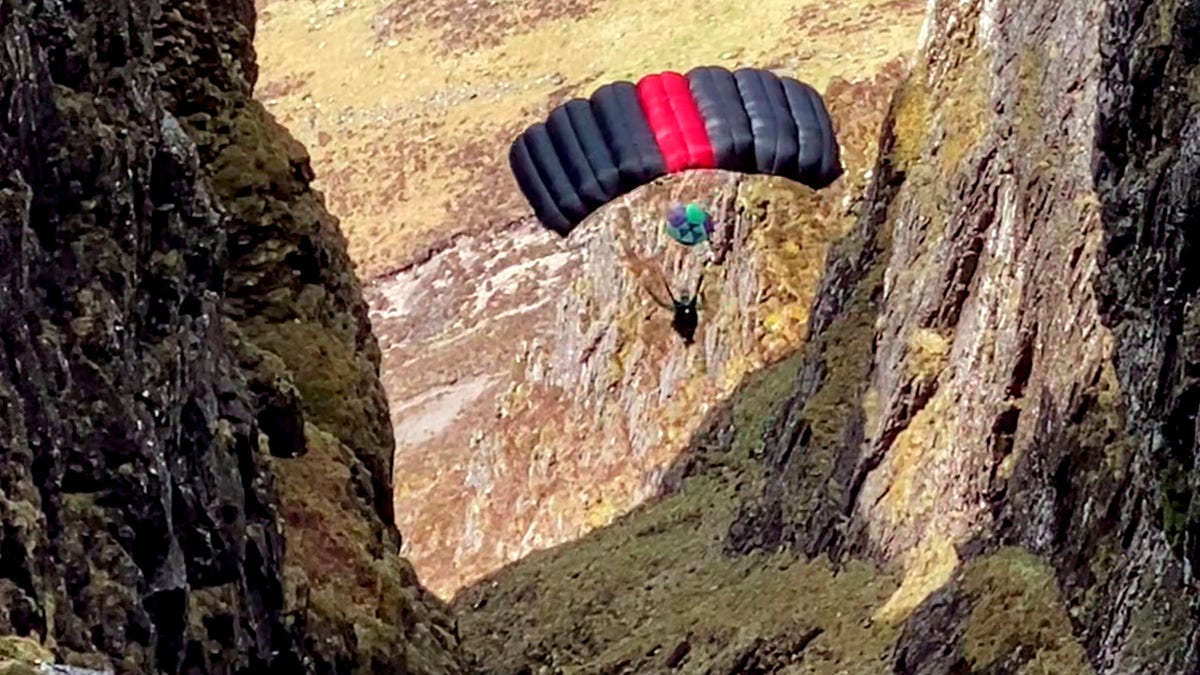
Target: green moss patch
column 339, row 390
column 327, row 534
column 23, row 650
column 928, row 352
column 1017, row 608
column 338, row 573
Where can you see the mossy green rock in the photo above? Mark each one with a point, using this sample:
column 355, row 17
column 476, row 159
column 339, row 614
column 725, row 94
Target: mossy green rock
column 159, row 229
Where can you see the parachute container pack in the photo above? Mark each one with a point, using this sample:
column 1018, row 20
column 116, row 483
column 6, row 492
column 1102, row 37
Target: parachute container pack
column 590, row 151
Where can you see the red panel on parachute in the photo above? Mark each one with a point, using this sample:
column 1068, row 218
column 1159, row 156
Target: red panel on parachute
column 653, row 97
column 691, row 124
column 675, row 121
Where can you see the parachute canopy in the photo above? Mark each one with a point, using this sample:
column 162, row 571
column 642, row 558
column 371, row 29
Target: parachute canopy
column 750, row 120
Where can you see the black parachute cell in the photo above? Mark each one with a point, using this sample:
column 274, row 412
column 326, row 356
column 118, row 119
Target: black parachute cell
column 831, row 166
column 762, row 118
column 785, row 141
column 720, row 104
column 809, row 134
column 619, row 115
column 817, row 162
column 550, row 168
column 530, row 182
column 606, row 107
column 574, row 160
column 739, row 120
column 594, row 147
column 712, row 110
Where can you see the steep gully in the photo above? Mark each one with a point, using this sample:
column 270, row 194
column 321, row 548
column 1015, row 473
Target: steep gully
column 537, row 392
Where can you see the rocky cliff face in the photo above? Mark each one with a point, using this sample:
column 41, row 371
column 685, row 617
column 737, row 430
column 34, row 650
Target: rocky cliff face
column 195, row 443
column 1017, row 410
column 981, row 460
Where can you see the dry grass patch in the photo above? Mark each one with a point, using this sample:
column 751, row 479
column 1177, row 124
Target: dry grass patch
column 475, row 24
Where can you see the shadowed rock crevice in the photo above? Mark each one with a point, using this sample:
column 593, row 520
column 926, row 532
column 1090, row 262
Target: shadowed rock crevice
column 168, row 458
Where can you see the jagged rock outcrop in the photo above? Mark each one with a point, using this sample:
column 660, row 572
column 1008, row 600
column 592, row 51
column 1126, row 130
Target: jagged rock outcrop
column 998, row 395
column 196, row 450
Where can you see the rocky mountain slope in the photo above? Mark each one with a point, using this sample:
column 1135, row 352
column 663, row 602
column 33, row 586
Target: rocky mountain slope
column 986, row 459
column 963, row 441
column 537, row 390
column 196, row 451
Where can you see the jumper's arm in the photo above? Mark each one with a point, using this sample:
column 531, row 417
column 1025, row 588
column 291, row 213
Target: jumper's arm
column 640, row 267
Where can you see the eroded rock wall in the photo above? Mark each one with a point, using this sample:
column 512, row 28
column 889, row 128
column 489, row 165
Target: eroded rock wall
column 996, row 396
column 538, row 390
column 196, row 445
